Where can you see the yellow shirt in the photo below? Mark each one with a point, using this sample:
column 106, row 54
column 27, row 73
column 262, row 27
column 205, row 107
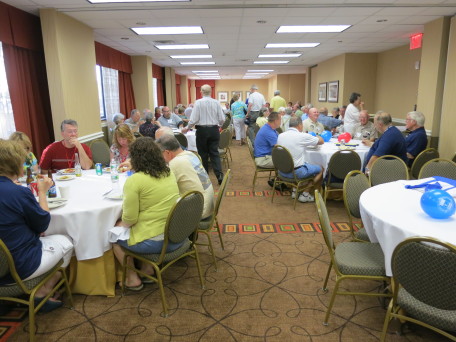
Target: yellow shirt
column 146, row 205
column 261, row 121
column 277, row 102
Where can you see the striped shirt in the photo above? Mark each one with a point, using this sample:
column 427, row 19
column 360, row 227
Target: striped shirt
column 207, row 112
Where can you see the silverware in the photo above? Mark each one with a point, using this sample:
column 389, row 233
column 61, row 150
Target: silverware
column 106, row 193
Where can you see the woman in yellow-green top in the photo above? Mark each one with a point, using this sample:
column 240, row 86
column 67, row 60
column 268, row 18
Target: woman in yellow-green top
column 149, row 195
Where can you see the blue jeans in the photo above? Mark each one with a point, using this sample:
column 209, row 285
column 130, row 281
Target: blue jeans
column 304, row 171
column 149, row 246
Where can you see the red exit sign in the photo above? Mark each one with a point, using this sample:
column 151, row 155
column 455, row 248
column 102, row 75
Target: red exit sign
column 415, row 41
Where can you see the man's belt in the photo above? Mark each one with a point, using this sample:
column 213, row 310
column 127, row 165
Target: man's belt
column 208, row 126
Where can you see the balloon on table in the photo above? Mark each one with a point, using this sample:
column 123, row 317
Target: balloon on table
column 438, row 204
column 326, row 135
column 313, row 134
column 348, row 137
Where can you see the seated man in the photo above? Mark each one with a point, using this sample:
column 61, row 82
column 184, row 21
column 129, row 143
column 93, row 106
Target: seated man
column 286, row 119
column 61, row 154
column 364, row 129
column 416, row 141
column 311, row 124
column 296, row 141
column 190, row 173
column 134, row 121
column 265, row 140
column 170, row 119
column 390, row 143
column 328, row 122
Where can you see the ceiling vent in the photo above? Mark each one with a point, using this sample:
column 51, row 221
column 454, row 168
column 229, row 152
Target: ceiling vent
column 164, row 42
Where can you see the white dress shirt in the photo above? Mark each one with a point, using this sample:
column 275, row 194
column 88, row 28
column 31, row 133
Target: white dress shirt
column 257, row 100
column 296, row 142
column 207, row 112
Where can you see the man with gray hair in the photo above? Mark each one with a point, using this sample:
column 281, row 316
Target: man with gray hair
column 61, row 154
column 188, row 170
column 277, row 101
column 416, row 141
column 118, row 119
column 364, row 129
column 207, row 116
column 134, row 121
column 256, row 102
column 295, row 141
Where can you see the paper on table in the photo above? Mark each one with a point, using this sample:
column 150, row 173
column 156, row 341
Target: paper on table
column 450, row 188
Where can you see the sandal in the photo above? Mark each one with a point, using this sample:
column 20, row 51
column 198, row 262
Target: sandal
column 133, row 288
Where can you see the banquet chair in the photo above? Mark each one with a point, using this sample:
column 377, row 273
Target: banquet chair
column 257, row 168
column 206, row 225
column 225, row 139
column 355, row 184
column 387, row 169
column 227, row 123
column 23, row 291
column 279, row 130
column 350, row 260
column 256, row 128
column 182, row 139
column 283, row 162
column 340, row 164
column 454, row 158
column 438, row 167
column 181, row 223
column 421, row 159
column 100, row 151
column 424, row 290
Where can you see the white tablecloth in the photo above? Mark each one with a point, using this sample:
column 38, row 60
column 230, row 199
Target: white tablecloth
column 87, row 216
column 323, row 153
column 392, row 214
column 191, row 138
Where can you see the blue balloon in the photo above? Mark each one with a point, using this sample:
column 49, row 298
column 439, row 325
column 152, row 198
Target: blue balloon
column 313, row 134
column 326, row 135
column 438, row 204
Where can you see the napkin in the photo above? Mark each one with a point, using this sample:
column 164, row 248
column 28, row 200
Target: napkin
column 118, row 233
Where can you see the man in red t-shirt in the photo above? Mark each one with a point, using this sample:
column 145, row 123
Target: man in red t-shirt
column 60, row 154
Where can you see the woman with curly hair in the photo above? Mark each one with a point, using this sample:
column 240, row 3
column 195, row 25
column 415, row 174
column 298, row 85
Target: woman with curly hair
column 123, row 137
column 149, row 195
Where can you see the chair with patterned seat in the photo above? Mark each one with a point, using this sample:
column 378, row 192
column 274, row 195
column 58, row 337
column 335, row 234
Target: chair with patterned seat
column 224, row 145
column 350, row 260
column 257, row 168
column 23, row 291
column 438, row 167
column 424, row 290
column 387, row 169
column 100, row 151
column 182, row 139
column 421, row 159
column 355, row 184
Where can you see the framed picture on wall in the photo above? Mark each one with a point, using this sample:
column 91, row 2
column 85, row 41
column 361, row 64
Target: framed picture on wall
column 237, row 92
column 222, row 96
column 322, row 91
column 333, row 91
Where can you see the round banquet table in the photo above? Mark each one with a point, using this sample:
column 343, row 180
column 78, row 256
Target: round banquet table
column 86, row 219
column 323, row 153
column 391, row 214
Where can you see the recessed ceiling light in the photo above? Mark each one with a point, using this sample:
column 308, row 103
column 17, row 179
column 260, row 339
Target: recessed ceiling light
column 209, row 77
column 250, row 77
column 168, row 30
column 191, row 56
column 292, row 45
column 182, row 46
column 121, row 1
column 205, row 71
column 280, row 55
column 260, row 70
column 197, row 63
column 271, row 62
column 312, row 28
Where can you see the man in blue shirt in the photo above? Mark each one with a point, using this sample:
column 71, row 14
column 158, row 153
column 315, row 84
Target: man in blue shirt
column 416, row 141
column 390, row 143
column 265, row 140
column 327, row 121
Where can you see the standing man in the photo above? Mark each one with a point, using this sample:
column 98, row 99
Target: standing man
column 256, row 102
column 277, row 101
column 207, row 116
column 416, row 141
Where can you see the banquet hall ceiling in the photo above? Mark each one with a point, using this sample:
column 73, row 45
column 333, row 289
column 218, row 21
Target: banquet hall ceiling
column 237, row 31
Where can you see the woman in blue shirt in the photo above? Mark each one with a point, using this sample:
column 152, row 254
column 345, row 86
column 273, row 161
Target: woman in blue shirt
column 238, row 110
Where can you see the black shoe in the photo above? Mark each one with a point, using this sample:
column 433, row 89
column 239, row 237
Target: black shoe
column 271, row 183
column 220, row 178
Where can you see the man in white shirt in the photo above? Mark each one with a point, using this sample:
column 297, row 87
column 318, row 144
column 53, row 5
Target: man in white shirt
column 296, row 141
column 256, row 102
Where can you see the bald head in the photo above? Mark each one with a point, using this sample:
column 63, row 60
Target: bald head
column 206, row 90
column 313, row 114
column 162, row 131
column 363, row 117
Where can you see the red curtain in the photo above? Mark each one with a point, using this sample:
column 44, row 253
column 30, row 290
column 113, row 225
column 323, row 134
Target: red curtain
column 126, row 94
column 200, row 83
column 189, row 92
column 178, row 89
column 157, row 72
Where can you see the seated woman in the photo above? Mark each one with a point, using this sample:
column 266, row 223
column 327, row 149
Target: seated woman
column 151, row 125
column 123, row 137
column 24, row 141
column 23, row 222
column 181, row 114
column 149, row 195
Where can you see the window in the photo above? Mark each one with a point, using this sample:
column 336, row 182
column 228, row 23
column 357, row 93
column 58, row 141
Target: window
column 7, row 125
column 154, row 87
column 108, row 92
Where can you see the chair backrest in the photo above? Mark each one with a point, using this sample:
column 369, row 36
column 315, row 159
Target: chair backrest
column 7, row 266
column 100, row 151
column 426, row 268
column 387, row 169
column 282, row 159
column 279, row 130
column 182, row 139
column 184, row 216
column 222, row 191
column 256, row 128
column 421, row 159
column 454, row 158
column 355, row 184
column 227, row 123
column 325, row 224
column 225, row 137
column 249, row 144
column 438, row 167
column 342, row 162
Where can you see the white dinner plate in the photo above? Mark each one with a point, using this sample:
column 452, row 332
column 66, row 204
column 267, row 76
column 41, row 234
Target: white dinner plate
column 66, row 172
column 56, row 202
column 65, row 177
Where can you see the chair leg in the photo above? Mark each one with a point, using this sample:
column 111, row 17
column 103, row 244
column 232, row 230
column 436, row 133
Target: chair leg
column 162, row 293
column 211, row 249
column 124, row 274
column 387, row 320
column 219, row 233
column 32, row 328
column 325, row 195
column 273, row 189
column 325, row 288
column 67, row 288
column 331, row 303
column 198, row 265
column 254, row 181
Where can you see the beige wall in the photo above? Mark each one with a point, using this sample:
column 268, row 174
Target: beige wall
column 272, row 85
column 360, row 77
column 70, row 63
column 292, row 87
column 397, row 81
column 240, row 85
column 330, row 70
column 142, row 81
column 447, row 145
